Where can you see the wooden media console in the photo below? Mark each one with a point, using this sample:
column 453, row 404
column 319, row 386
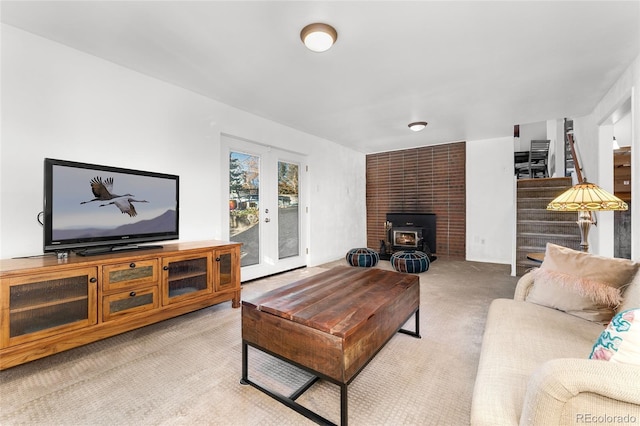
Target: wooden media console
column 48, row 305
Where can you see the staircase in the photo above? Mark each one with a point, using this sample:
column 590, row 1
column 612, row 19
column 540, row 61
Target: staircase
column 536, row 226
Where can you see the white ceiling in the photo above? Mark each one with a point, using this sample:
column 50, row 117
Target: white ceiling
column 471, row 69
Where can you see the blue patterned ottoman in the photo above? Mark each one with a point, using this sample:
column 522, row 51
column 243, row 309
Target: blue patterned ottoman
column 410, row 261
column 362, row 257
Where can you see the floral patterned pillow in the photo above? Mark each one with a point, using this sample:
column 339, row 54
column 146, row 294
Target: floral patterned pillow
column 620, row 341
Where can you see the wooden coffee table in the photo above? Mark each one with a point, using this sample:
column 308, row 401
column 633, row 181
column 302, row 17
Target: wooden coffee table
column 331, row 325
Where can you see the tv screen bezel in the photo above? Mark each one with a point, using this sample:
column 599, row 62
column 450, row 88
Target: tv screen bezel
column 49, row 245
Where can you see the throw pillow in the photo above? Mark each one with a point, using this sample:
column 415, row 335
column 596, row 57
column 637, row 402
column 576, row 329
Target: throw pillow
column 620, row 341
column 581, row 266
column 586, row 298
column 613, row 271
column 631, row 294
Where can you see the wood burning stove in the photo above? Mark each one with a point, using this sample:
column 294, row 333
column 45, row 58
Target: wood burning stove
column 409, row 231
column 403, row 238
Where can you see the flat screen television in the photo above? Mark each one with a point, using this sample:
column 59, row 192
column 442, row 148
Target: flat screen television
column 91, row 209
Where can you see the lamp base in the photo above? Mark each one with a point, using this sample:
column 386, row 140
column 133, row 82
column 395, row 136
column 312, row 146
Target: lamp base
column 584, row 223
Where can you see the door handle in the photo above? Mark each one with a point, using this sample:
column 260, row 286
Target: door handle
column 266, row 219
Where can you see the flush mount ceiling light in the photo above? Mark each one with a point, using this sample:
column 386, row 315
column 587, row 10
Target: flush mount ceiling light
column 318, row 37
column 417, row 125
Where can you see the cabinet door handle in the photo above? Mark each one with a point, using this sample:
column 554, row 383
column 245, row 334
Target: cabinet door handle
column 165, row 268
column 217, row 259
column 132, row 265
column 132, row 294
column 93, row 280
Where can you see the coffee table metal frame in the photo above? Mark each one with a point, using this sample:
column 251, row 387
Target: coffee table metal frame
column 290, row 401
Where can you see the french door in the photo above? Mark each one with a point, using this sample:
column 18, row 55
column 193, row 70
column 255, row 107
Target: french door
column 267, row 210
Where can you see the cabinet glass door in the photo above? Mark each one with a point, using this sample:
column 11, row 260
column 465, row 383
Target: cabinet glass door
column 49, row 303
column 186, row 277
column 225, row 272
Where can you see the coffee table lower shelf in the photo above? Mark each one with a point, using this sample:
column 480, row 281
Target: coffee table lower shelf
column 290, row 401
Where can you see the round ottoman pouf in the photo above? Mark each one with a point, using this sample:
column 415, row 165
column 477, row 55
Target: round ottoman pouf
column 362, row 257
column 410, row 261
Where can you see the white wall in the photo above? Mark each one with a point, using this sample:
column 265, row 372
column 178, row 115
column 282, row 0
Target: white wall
column 555, row 134
column 529, row 132
column 61, row 103
column 595, row 146
column 490, row 200
column 622, row 130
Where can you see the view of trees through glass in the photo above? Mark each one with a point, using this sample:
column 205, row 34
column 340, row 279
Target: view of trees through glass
column 245, row 211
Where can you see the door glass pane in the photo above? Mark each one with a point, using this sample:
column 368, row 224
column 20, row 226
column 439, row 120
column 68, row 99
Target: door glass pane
column 244, row 203
column 288, row 220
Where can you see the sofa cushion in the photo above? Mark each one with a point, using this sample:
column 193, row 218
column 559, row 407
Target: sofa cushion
column 519, row 337
column 620, row 341
column 586, row 298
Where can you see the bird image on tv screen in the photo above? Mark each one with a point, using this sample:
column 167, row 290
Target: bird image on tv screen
column 86, row 205
column 103, row 191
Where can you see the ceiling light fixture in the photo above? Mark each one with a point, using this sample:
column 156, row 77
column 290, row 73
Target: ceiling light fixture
column 418, row 125
column 318, row 37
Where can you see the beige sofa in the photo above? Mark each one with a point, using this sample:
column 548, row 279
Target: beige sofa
column 534, row 366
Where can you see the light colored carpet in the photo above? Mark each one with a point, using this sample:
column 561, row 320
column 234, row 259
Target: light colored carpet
column 187, row 370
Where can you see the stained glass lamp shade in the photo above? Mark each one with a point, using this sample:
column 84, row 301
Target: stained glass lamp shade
column 584, row 198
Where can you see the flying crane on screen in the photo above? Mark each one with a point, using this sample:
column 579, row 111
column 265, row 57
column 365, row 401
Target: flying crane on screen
column 103, row 191
column 125, row 205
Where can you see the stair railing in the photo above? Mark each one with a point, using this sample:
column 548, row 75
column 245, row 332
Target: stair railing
column 574, row 155
column 578, row 170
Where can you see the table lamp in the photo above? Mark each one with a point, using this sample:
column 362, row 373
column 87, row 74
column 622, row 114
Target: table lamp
column 585, row 198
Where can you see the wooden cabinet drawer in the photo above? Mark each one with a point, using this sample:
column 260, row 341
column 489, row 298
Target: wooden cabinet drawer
column 129, row 302
column 118, row 276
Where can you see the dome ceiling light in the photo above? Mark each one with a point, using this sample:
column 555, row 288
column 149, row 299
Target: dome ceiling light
column 318, row 37
column 417, row 125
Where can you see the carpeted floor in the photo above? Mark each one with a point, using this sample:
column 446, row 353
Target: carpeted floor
column 186, row 370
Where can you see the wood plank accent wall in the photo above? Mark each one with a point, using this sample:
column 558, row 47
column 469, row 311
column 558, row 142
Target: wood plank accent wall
column 420, row 180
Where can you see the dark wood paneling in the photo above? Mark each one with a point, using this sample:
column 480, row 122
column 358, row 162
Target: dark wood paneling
column 420, row 180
